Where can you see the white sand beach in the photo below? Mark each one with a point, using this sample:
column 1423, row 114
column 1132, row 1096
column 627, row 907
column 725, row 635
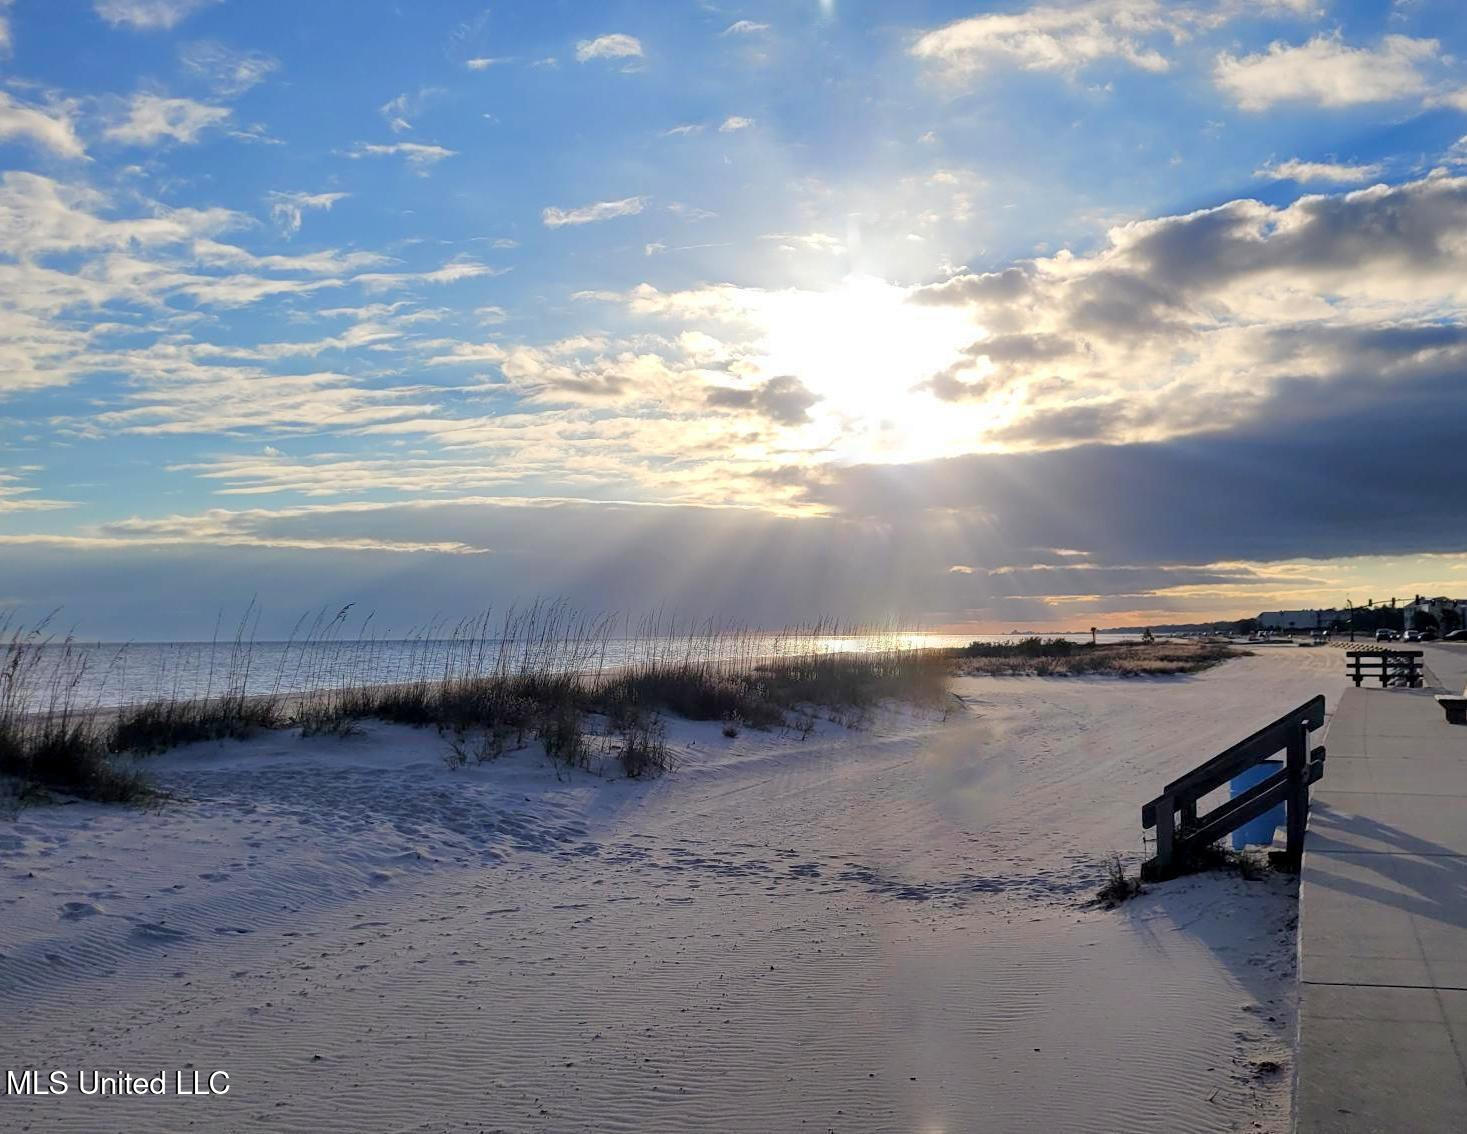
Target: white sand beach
column 882, row 928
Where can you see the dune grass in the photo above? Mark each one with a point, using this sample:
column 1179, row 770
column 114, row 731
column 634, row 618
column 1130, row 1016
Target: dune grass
column 538, row 674
column 1060, row 657
column 47, row 741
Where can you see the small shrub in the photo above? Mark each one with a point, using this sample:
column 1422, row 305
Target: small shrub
column 644, row 747
column 1119, row 886
column 562, row 733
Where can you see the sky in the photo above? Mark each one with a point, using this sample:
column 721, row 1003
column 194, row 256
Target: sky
column 961, row 315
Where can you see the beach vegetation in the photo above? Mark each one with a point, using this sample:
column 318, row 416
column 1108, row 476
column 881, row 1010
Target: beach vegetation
column 1061, row 657
column 538, row 674
column 1119, row 886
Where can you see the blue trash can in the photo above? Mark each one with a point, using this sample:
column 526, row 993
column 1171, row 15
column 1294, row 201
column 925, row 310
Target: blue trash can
column 1257, row 832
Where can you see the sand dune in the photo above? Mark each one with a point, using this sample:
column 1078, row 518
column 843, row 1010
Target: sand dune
column 868, row 930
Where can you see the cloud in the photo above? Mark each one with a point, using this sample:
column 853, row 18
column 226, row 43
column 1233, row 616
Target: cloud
column 616, row 46
column 1121, row 502
column 229, row 72
column 49, row 127
column 148, row 15
column 770, row 569
column 1046, row 38
column 421, row 156
column 784, row 399
column 1334, row 172
column 17, row 496
column 1327, row 72
column 744, row 27
column 152, row 118
column 1218, row 318
column 553, row 217
column 286, row 208
column 7, row 42
column 106, row 283
column 399, row 111
column 811, row 241
column 484, row 62
column 735, row 122
column 684, row 130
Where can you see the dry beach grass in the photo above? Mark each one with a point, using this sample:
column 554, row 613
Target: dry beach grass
column 1060, row 657
column 534, row 675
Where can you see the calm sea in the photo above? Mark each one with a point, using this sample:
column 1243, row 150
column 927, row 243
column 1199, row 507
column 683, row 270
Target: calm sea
column 105, row 675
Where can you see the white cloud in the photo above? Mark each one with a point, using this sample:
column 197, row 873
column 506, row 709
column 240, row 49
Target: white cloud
column 79, row 266
column 1327, row 72
column 49, row 127
column 148, row 15
column 744, row 27
column 1335, row 172
column 484, row 62
column 811, row 241
column 420, row 156
column 16, row 496
column 1045, row 38
column 587, row 214
column 399, row 112
column 1456, row 99
column 1195, row 323
column 684, row 130
column 616, row 46
column 395, row 111
column 735, row 122
column 468, row 353
column 151, row 118
column 229, row 72
column 286, row 208
column 6, row 42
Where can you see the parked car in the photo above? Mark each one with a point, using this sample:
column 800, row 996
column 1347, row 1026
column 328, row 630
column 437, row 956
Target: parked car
column 1455, row 636
column 1427, row 636
column 1412, row 636
column 1385, row 635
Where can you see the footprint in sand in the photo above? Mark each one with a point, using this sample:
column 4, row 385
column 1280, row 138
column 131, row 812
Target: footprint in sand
column 75, row 911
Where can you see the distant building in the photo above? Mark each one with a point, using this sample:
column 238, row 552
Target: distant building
column 1297, row 620
column 1436, row 613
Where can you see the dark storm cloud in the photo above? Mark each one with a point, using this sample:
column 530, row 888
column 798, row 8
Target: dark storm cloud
column 1382, row 476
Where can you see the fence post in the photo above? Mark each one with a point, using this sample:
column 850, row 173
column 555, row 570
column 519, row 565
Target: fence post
column 1298, row 798
column 1164, row 821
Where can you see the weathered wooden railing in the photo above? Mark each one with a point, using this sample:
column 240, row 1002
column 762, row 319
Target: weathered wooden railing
column 1180, row 832
column 1389, row 665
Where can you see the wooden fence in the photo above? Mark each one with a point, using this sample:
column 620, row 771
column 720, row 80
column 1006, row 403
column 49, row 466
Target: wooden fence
column 1391, row 666
column 1181, row 833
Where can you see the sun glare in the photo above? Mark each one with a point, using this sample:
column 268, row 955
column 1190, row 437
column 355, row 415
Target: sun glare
column 867, row 352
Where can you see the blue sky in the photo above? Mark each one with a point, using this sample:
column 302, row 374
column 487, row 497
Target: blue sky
column 968, row 314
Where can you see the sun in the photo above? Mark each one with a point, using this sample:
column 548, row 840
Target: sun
column 867, row 352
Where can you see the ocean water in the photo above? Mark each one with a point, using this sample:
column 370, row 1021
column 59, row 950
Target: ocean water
column 105, row 675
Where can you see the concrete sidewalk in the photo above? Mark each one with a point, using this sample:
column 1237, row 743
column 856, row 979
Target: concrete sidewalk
column 1383, row 922
column 1448, row 662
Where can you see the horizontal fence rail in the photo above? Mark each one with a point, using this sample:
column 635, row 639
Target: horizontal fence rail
column 1391, row 666
column 1181, row 832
